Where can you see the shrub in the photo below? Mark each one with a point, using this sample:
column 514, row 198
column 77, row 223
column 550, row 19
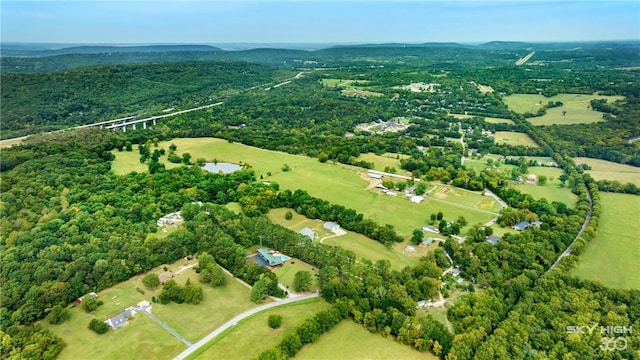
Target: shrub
column 99, row 327
column 275, row 320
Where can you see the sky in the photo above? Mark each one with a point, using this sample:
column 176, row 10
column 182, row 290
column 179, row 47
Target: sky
column 304, row 21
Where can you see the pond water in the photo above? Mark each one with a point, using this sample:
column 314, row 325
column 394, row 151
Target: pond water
column 226, row 168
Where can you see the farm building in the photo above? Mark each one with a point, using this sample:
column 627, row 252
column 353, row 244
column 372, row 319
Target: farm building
column 493, row 239
column 271, row 257
column 431, row 229
column 374, row 175
column 410, row 248
column 521, row 225
column 331, row 226
column 427, row 241
column 308, row 232
column 92, row 294
column 416, row 199
column 120, row 319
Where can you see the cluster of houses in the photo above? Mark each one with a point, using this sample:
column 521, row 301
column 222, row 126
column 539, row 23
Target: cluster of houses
column 408, row 192
column 169, row 219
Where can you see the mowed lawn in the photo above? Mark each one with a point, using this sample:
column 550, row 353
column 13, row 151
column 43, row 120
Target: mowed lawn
column 380, row 162
column 373, row 250
column 514, row 139
column 490, row 120
column 287, row 272
column 140, row 339
column 252, row 336
column 361, row 245
column 350, row 341
column 552, row 191
column 612, row 257
column 336, row 183
column 607, row 170
column 577, row 107
column 220, row 305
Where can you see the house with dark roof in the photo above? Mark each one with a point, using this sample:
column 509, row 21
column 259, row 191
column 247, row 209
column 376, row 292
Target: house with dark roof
column 270, row 257
column 493, row 239
column 120, row 319
column 521, row 225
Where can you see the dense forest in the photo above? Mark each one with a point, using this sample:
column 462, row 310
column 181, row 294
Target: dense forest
column 69, row 225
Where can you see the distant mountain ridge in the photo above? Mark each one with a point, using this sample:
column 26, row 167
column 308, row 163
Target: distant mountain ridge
column 17, row 50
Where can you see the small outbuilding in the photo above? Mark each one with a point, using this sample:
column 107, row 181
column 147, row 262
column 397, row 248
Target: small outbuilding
column 331, row 226
column 308, row 233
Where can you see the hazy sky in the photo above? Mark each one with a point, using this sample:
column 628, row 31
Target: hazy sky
column 316, row 22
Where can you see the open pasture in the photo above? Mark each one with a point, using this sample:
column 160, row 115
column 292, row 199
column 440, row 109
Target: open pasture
column 514, row 139
column 220, row 305
column 380, row 162
column 607, row 170
column 336, row 183
column 361, row 245
column 464, row 197
column 612, row 256
column 253, row 335
column 549, row 192
column 350, row 341
column 140, row 339
column 576, row 108
column 373, row 250
column 490, row 120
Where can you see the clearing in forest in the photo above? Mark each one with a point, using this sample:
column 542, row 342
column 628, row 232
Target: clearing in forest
column 608, row 170
column 576, row 108
column 336, row 183
column 142, row 338
column 612, row 256
column 350, row 341
column 514, row 139
column 490, row 120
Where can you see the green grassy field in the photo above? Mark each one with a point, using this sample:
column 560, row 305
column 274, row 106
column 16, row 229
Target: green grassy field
column 336, row 183
column 380, row 162
column 253, row 335
column 577, row 107
column 350, row 341
column 490, row 120
column 298, row 222
column 234, row 206
column 219, row 305
column 288, row 270
column 361, row 245
column 464, row 197
column 514, row 139
column 140, row 339
column 607, row 170
column 612, row 256
column 549, row 192
column 364, row 247
column 350, row 87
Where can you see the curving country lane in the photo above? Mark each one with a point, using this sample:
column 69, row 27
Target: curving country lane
column 235, row 320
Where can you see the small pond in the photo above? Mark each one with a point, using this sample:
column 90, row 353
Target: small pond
column 226, row 168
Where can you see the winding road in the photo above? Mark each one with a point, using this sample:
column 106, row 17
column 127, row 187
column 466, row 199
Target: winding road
column 587, row 219
column 233, row 322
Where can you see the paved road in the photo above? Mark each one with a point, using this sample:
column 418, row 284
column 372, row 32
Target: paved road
column 235, row 320
column 584, row 226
